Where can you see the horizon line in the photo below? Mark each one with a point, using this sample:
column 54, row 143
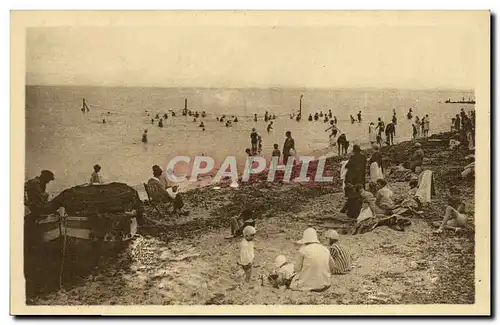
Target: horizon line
column 251, row 87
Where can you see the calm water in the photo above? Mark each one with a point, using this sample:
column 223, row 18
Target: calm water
column 61, row 138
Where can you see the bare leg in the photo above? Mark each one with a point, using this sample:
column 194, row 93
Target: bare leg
column 248, row 274
column 450, row 213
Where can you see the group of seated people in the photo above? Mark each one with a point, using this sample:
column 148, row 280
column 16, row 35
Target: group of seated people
column 315, row 263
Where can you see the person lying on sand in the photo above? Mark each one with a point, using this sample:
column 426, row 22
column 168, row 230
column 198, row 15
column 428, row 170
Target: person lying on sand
column 247, row 251
column 341, row 257
column 283, row 274
column 238, row 223
column 454, row 217
column 410, row 203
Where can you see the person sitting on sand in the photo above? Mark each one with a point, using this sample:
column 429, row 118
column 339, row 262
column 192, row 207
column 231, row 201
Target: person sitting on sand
column 283, row 274
column 248, row 152
column 310, row 118
column 369, row 200
column 341, row 257
column 410, row 202
column 159, row 194
column 375, row 163
column 247, row 251
column 95, row 178
column 384, row 196
column 416, row 159
column 202, row 125
column 314, row 264
column 238, row 223
column 454, row 217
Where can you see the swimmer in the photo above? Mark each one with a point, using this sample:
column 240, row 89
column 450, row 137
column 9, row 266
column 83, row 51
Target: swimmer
column 270, row 127
column 145, row 136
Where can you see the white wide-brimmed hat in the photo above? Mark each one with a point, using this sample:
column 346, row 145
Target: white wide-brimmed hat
column 249, row 230
column 310, row 236
column 332, row 234
column 280, row 260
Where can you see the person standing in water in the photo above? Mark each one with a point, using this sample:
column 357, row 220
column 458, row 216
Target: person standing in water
column 269, row 127
column 417, row 124
column 352, row 120
column 254, row 138
column 145, row 136
column 84, row 105
column 394, row 118
column 287, row 146
column 160, row 123
column 255, row 117
column 359, row 116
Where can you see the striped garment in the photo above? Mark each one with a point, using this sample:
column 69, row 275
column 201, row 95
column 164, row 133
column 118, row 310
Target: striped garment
column 341, row 257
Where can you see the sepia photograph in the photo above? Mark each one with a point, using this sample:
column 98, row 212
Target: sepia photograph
column 215, row 163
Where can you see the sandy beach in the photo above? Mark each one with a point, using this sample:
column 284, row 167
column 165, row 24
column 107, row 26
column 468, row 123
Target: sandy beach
column 188, row 261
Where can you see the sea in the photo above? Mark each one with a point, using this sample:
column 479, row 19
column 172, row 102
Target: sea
column 62, row 138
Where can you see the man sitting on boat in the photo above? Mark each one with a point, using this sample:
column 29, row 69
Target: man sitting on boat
column 37, row 199
column 160, row 192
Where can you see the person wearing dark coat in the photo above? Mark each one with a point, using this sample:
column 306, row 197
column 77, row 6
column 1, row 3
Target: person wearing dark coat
column 356, row 167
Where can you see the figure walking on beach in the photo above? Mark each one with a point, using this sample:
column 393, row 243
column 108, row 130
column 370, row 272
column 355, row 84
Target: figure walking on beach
column 380, row 126
column 427, row 122
column 372, row 137
column 342, row 144
column 254, row 139
column 390, row 132
column 287, row 146
column 359, row 116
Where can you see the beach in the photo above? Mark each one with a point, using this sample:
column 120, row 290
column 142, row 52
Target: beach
column 188, row 261
column 61, row 138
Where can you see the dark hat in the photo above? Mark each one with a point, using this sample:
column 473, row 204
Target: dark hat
column 47, row 174
column 156, row 167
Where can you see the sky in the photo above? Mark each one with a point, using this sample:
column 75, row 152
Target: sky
column 407, row 56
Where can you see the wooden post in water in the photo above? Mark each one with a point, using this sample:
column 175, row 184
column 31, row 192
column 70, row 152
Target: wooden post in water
column 300, row 105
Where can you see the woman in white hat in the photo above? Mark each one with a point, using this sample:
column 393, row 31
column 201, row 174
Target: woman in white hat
column 314, row 265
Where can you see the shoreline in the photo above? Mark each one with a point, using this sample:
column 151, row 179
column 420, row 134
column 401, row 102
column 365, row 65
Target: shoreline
column 151, row 270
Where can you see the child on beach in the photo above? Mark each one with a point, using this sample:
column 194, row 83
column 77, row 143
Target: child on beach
column 341, row 257
column 239, row 223
column 283, row 274
column 454, row 217
column 276, row 151
column 247, row 251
